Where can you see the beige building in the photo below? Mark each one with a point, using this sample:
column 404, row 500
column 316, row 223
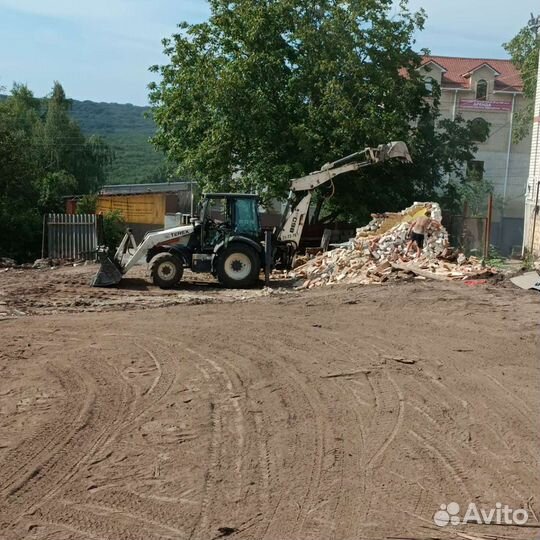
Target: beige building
column 487, row 90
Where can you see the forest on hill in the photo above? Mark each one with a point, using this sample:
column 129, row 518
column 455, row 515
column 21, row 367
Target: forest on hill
column 126, row 129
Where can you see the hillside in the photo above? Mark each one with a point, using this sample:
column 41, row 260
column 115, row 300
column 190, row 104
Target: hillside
column 127, row 130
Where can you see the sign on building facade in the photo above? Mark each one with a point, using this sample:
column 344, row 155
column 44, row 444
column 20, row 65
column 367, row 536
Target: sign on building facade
column 491, row 106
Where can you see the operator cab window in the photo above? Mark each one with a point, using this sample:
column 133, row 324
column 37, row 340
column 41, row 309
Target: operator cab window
column 217, row 210
column 246, row 217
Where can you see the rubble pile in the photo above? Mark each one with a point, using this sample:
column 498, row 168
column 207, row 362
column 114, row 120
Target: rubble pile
column 377, row 254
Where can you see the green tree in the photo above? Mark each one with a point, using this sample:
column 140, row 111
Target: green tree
column 275, row 89
column 87, row 204
column 440, row 148
column 523, row 49
column 65, row 148
column 266, row 91
column 114, row 228
column 43, row 157
column 51, row 188
column 20, row 218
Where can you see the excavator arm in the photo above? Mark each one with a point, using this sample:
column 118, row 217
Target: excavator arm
column 296, row 211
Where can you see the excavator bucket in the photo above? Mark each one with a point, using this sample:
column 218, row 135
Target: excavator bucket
column 396, row 150
column 108, row 273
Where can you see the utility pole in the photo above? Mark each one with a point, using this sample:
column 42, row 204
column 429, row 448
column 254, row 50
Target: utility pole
column 533, row 185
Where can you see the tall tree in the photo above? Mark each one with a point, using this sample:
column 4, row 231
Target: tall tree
column 267, row 90
column 43, row 156
column 19, row 168
column 524, row 49
column 65, row 147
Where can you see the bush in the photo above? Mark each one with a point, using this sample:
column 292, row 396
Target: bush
column 87, row 204
column 114, row 226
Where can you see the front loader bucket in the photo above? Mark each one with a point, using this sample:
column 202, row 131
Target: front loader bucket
column 108, row 273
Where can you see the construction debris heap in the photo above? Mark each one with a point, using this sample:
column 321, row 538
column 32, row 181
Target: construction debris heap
column 378, row 253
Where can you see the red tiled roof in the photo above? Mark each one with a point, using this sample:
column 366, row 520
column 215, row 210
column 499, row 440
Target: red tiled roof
column 458, row 69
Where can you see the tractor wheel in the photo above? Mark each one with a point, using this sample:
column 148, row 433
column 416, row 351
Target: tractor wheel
column 166, row 270
column 238, row 266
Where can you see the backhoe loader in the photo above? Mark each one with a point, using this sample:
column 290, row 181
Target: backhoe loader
column 226, row 239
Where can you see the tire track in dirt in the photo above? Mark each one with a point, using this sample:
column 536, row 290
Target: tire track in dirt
column 319, row 503
column 381, row 433
column 376, row 440
column 349, row 509
column 310, row 499
column 31, row 483
column 101, row 405
column 427, row 432
column 228, row 396
column 460, row 457
column 107, row 436
column 222, row 401
column 391, row 435
column 265, row 463
column 269, row 498
column 124, row 501
column 239, row 420
column 469, row 454
column 210, row 479
column 321, row 516
column 449, row 461
column 102, row 524
column 29, row 451
column 160, row 515
column 491, row 414
column 314, row 516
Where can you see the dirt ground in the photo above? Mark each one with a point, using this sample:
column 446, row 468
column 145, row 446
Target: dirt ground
column 65, row 289
column 338, row 413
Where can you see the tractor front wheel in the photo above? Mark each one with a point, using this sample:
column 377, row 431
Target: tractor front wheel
column 166, row 270
column 238, row 266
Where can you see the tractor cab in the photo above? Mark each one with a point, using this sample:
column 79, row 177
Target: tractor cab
column 224, row 215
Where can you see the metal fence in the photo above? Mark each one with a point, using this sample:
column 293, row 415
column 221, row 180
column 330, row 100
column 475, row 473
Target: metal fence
column 72, row 236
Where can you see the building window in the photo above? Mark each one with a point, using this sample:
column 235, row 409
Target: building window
column 430, row 83
column 475, row 170
column 481, row 90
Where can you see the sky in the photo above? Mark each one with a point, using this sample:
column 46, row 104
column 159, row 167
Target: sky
column 101, row 49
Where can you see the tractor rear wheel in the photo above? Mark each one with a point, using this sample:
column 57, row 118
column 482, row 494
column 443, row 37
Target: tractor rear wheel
column 238, row 266
column 166, row 270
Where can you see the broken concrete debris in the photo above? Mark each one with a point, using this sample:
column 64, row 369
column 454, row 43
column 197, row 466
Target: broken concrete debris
column 377, row 254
